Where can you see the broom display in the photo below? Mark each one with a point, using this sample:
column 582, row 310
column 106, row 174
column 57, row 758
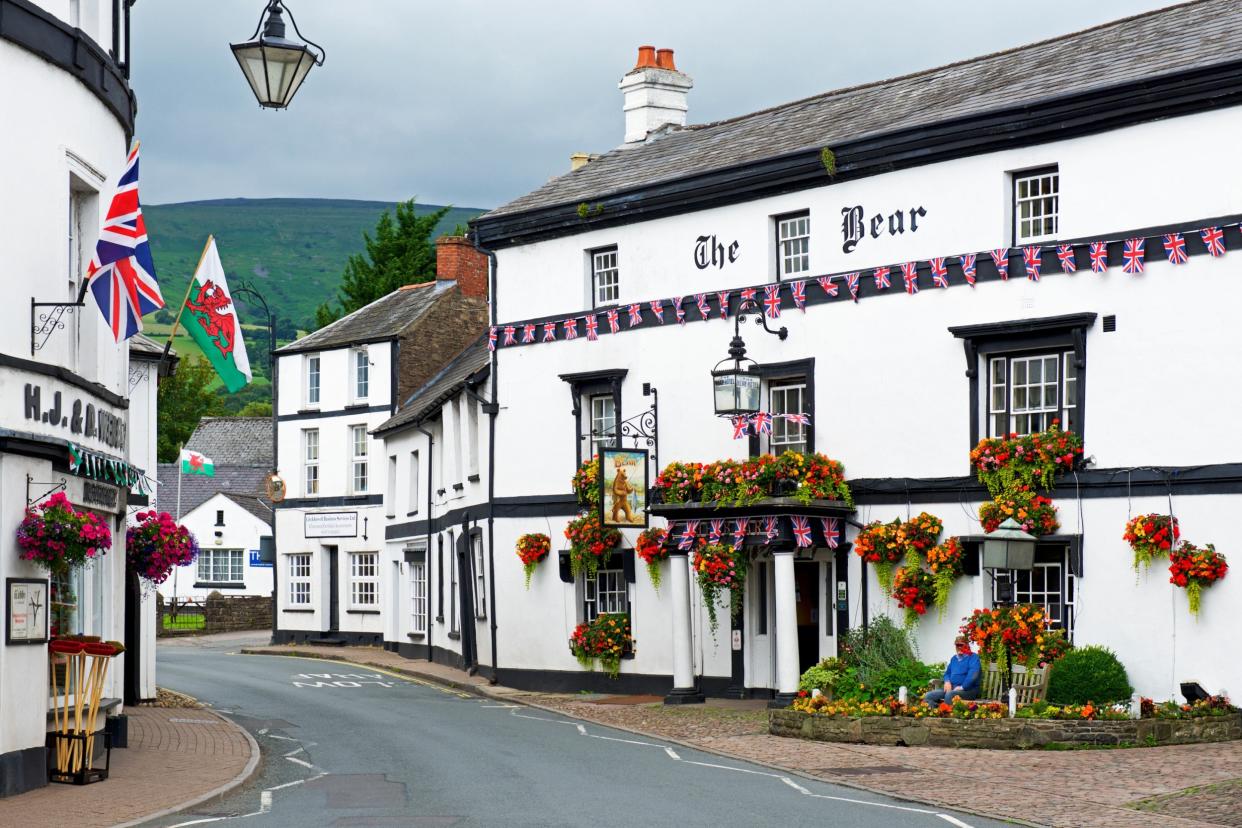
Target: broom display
column 74, row 727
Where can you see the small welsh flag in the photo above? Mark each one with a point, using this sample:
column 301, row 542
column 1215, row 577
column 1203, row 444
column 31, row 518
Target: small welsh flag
column 194, row 463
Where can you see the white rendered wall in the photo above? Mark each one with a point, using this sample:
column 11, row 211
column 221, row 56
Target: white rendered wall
column 241, row 530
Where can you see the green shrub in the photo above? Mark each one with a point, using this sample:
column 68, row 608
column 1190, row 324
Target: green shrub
column 915, row 676
column 1088, row 674
column 882, row 646
column 822, row 676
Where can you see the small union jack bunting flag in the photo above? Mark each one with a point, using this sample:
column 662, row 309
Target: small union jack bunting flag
column 798, row 291
column 829, row 286
column 549, row 331
column 851, row 281
column 716, row 527
column 723, row 299
column 614, row 321
column 1000, row 258
column 772, row 301
column 1132, row 256
column 940, row 273
column 801, row 530
column 689, row 531
column 881, row 278
column 763, row 422
column 739, row 532
column 509, row 335
column 678, row 309
column 1065, row 254
column 1099, row 256
column 1033, row 258
column 968, row 263
column 528, row 333
column 636, row 314
column 491, row 339
column 1213, row 240
column 1175, row 247
column 657, row 307
column 592, row 327
column 705, row 311
column 748, row 299
column 769, row 528
column 832, row 532
column 800, row 419
column 571, row 328
column 741, row 426
column 910, row 273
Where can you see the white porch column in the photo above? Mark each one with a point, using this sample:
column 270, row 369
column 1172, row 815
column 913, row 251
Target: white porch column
column 787, row 673
column 684, row 690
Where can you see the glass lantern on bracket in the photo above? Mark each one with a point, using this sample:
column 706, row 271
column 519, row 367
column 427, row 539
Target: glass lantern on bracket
column 275, row 66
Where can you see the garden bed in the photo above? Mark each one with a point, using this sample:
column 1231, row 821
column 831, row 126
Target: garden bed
column 1004, row 734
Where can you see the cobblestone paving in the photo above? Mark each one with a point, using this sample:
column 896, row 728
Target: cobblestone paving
column 1217, row 804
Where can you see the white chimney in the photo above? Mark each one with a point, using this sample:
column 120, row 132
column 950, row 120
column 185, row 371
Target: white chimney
column 655, row 94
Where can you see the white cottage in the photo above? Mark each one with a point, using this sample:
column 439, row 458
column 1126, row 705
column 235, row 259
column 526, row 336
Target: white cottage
column 868, row 218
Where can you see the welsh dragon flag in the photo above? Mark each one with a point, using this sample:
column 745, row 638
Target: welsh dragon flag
column 213, row 322
column 194, row 463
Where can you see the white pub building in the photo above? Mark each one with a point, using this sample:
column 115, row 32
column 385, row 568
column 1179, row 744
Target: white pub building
column 1049, row 232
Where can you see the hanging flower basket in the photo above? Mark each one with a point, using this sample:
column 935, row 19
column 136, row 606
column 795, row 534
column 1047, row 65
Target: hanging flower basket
column 804, row 477
column 719, row 567
column 586, row 484
column 650, row 547
column 1034, row 512
column 1195, row 567
column 946, row 562
column 1151, row 537
column 915, row 591
column 877, row 544
column 590, row 544
column 1003, row 464
column 533, row 548
column 59, row 538
column 605, row 639
column 157, row 544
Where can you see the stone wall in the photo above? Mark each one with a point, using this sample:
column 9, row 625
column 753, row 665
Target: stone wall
column 234, row 613
column 1002, row 733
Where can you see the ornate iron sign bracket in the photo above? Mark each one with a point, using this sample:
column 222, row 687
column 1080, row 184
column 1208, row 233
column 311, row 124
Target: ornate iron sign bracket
column 43, row 323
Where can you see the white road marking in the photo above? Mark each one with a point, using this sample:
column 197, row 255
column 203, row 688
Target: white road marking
column 282, row 738
column 263, row 732
column 953, row 821
column 582, row 729
column 301, row 762
column 294, row 752
column 672, row 753
column 265, row 803
column 794, row 785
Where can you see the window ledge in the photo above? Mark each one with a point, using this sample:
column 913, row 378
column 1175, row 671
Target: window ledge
column 411, row 514
column 457, row 487
column 439, row 619
column 297, row 609
column 416, row 636
column 314, row 410
column 355, row 406
column 219, row 585
column 456, row 636
column 474, row 478
column 362, row 612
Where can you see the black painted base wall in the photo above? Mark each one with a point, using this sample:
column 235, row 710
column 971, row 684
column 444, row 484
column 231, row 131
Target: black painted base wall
column 352, row 639
column 23, row 770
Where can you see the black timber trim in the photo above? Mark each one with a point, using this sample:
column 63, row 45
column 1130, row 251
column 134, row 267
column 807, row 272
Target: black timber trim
column 798, row 369
column 1041, row 121
column 986, row 271
column 64, row 375
column 505, row 507
column 73, row 51
column 591, row 384
column 348, row 411
column 219, row 585
column 23, row 770
column 313, row 502
column 349, row 638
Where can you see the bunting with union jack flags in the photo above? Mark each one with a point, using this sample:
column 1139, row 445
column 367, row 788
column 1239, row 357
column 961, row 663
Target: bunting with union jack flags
column 636, row 314
column 1065, row 255
column 968, row 263
column 715, row 528
column 1213, row 240
column 832, row 532
column 121, row 275
column 723, row 299
column 657, row 307
column 763, row 422
column 705, row 311
column 1033, row 259
column 881, row 278
column 772, row 301
column 827, row 285
column 1099, row 256
column 528, row 333
column 851, row 281
column 910, row 273
column 739, row 532
column 1175, row 248
column 678, row 309
column 592, row 327
column 1132, row 256
column 510, row 339
column 741, row 426
column 491, row 339
column 769, row 528
column 571, row 328
column 1000, row 258
column 748, row 299
column 614, row 321
column 689, row 531
column 939, row 272
column 549, row 331
column 801, row 530
column 798, row 291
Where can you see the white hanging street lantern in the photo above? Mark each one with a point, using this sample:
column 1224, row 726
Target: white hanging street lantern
column 1008, row 547
column 735, row 387
column 275, row 66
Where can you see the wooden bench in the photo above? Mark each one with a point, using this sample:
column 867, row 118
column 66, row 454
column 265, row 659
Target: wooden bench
column 1030, row 684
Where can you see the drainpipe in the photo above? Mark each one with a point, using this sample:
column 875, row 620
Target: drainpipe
column 493, row 408
column 431, row 447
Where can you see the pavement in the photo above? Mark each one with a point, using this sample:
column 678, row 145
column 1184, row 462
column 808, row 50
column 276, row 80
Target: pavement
column 1189, row 786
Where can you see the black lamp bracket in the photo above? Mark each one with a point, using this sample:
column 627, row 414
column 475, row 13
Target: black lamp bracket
column 276, row 27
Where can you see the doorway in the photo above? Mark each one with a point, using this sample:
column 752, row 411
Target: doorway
column 334, row 591
column 807, row 600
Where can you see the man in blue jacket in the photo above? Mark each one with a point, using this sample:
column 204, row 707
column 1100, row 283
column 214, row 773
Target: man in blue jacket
column 961, row 676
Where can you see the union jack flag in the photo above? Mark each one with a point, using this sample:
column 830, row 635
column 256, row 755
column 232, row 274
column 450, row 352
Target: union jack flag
column 528, row 333
column 910, row 272
column 510, row 339
column 940, row 273
column 748, row 299
column 592, row 327
column 741, row 426
column 689, row 531
column 121, row 274
column 1213, row 240
column 800, row 419
column 763, row 422
column 881, row 278
column 1033, row 258
column 1000, row 258
column 491, row 339
column 1175, row 247
column 1065, row 252
column 723, row 299
column 678, row 309
column 968, row 263
column 571, row 328
column 657, row 307
column 636, row 314
column 832, row 532
column 801, row 530
column 1132, row 256
column 851, row 281
column 705, row 310
column 614, row 321
column 549, row 331
column 772, row 300
column 829, row 286
column 798, row 291
column 739, row 532
column 1099, row 256
column 769, row 527
column 716, row 528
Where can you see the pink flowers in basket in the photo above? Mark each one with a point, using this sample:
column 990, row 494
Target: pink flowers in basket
column 157, row 544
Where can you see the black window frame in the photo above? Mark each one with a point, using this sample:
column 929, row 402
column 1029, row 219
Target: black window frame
column 986, row 358
column 776, row 235
column 623, row 561
column 1014, row 176
column 591, row 254
column 590, row 384
column 799, row 370
column 479, row 575
column 439, row 579
column 1060, row 554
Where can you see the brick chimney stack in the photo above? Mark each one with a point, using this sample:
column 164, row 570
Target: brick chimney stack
column 457, row 260
column 655, row 94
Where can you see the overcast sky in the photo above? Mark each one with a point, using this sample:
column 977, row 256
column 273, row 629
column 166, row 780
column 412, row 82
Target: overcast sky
column 473, row 104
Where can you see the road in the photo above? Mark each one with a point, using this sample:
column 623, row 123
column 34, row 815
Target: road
column 352, row 746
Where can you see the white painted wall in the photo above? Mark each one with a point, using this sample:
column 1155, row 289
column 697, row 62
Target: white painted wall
column 240, row 530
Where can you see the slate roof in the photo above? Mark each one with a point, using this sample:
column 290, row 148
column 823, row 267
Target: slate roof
column 242, row 481
column 234, row 441
column 451, row 379
column 385, row 318
column 1164, row 41
column 257, row 506
column 144, row 345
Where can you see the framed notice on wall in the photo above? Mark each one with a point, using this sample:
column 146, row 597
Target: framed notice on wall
column 623, row 487
column 26, row 621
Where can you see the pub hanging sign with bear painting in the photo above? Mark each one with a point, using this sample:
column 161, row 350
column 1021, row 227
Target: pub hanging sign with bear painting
column 624, row 486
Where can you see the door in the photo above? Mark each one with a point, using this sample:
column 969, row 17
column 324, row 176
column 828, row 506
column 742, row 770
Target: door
column 808, row 594
column 334, row 590
column 465, row 606
column 760, row 650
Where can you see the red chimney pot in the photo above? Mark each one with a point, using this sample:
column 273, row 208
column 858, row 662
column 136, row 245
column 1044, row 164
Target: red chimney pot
column 664, row 59
column 646, row 57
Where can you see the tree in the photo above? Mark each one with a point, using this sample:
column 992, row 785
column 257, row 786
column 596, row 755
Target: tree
column 401, row 252
column 184, row 399
column 256, row 408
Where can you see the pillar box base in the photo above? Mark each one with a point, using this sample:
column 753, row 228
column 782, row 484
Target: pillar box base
column 684, row 695
column 782, row 700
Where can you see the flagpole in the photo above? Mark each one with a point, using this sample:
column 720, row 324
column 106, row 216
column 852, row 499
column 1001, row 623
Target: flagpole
column 180, row 449
column 177, row 321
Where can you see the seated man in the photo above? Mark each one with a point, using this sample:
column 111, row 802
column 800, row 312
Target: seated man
column 961, row 676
